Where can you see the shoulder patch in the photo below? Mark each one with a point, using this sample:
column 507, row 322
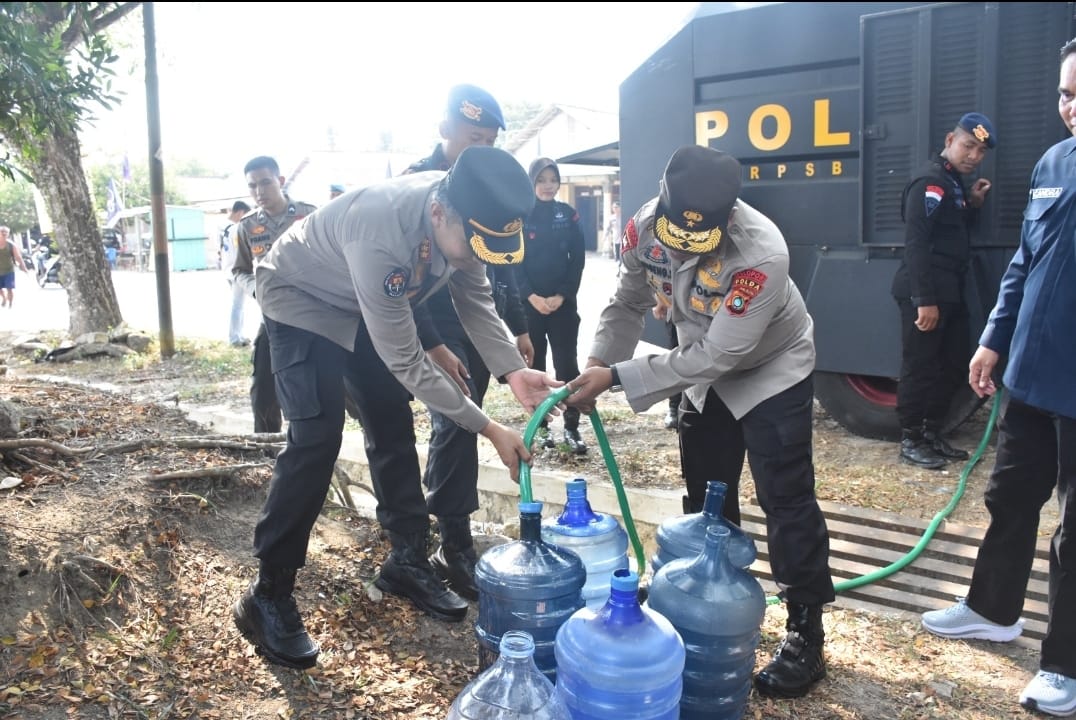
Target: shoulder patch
column 745, row 286
column 933, row 198
column 396, row 283
column 631, row 236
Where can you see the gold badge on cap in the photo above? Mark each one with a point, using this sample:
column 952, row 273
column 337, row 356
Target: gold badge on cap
column 470, row 111
column 981, row 133
column 690, row 241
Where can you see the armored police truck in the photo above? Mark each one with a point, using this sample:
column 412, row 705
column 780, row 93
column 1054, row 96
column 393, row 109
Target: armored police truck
column 830, row 107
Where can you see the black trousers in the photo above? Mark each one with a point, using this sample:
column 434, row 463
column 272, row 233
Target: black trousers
column 776, row 436
column 1036, row 455
column 263, row 399
column 451, row 475
column 560, row 331
column 934, row 365
column 311, row 376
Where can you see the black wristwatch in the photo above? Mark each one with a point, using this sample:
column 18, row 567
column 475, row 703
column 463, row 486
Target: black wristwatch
column 616, row 386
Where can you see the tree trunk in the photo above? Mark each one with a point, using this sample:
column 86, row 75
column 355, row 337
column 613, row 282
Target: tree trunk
column 85, row 273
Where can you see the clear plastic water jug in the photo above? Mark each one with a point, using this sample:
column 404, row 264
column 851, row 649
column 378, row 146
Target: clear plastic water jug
column 527, row 585
column 598, row 539
column 513, row 688
column 623, row 661
column 718, row 610
column 685, row 535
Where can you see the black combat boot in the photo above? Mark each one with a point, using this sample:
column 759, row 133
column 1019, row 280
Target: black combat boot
column 268, row 617
column 941, row 447
column 454, row 561
column 407, row 573
column 916, row 450
column 574, row 441
column 799, row 662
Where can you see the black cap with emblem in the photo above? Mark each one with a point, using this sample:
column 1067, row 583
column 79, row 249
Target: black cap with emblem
column 698, row 190
column 492, row 193
column 980, row 127
column 473, row 105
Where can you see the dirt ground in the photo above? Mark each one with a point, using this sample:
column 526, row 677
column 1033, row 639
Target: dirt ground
column 117, row 579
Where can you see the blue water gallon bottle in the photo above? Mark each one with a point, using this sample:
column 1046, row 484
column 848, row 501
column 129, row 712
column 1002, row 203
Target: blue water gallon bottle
column 624, row 661
column 513, row 688
column 596, row 538
column 718, row 609
column 527, row 585
column 685, row 535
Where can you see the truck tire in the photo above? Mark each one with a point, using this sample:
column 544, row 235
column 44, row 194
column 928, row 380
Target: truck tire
column 865, row 405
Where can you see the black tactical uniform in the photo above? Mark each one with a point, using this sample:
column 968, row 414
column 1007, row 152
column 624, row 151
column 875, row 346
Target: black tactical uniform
column 451, row 476
column 936, row 253
column 553, row 265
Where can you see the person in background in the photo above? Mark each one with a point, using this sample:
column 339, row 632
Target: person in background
column 744, row 364
column 549, row 282
column 611, row 237
column 1031, row 325
column 335, row 191
column 337, row 293
column 938, row 211
column 255, row 234
column 472, row 117
column 228, row 245
column 10, row 256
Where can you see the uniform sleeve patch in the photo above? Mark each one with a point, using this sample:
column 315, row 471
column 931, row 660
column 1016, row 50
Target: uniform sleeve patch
column 933, row 198
column 396, row 283
column 631, row 236
column 746, row 285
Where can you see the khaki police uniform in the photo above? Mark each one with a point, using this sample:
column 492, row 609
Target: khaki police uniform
column 744, row 363
column 255, row 233
column 337, row 293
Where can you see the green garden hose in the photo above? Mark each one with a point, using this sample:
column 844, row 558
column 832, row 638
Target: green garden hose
column 558, row 396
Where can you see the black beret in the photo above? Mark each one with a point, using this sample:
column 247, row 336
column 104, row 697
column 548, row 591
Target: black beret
column 979, row 125
column 490, row 190
column 473, row 105
column 698, row 190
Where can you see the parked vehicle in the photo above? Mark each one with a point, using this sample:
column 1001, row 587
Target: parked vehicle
column 830, row 107
column 46, row 265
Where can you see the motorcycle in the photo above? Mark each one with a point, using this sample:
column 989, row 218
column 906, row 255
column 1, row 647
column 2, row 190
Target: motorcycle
column 47, row 266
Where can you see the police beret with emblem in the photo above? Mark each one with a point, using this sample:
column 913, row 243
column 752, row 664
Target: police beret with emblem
column 980, row 127
column 698, row 189
column 473, row 105
column 491, row 192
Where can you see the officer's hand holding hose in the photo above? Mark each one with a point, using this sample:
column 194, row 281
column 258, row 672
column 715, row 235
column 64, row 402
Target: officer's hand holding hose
column 530, row 387
column 591, row 383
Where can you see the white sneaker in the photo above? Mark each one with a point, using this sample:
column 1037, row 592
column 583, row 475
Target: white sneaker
column 1051, row 693
column 960, row 621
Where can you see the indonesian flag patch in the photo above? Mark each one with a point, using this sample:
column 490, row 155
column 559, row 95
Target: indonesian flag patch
column 933, row 198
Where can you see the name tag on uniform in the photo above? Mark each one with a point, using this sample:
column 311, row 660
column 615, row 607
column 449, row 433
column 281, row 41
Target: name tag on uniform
column 1045, row 193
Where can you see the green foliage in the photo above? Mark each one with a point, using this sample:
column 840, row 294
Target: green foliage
column 54, row 70
column 17, row 209
column 517, row 115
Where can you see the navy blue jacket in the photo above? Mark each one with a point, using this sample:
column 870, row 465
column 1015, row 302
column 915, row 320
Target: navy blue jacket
column 1033, row 321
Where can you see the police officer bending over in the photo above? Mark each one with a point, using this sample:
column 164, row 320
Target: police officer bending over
column 744, row 364
column 337, row 293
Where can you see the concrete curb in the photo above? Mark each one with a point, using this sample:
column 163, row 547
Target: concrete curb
column 498, row 495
